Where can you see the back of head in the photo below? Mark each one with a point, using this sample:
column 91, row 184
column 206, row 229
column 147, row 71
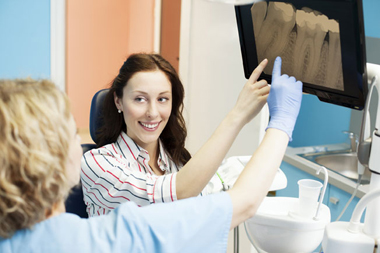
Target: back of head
column 33, row 152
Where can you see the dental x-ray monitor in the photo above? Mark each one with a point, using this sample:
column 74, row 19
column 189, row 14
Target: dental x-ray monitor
column 321, row 43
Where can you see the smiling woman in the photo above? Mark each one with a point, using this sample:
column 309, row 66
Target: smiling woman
column 40, row 152
column 143, row 137
column 142, row 155
column 146, row 107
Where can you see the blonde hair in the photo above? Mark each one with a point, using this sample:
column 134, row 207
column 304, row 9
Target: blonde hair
column 33, row 152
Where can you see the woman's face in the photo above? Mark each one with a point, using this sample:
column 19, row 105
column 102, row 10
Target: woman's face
column 75, row 154
column 146, row 105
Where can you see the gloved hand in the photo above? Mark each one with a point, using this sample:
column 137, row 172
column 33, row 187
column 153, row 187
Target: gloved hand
column 284, row 100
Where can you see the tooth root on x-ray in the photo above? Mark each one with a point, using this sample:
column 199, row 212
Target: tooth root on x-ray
column 288, row 53
column 319, row 39
column 316, row 31
column 272, row 38
column 321, row 71
column 309, row 43
column 258, row 12
column 329, row 71
column 334, row 74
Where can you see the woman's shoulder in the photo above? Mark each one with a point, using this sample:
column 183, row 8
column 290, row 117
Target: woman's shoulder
column 108, row 148
column 108, row 155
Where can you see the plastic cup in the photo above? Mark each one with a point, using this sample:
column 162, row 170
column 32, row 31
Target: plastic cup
column 309, row 191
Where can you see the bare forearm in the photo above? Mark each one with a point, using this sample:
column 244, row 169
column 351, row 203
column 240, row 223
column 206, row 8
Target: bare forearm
column 284, row 102
column 253, row 183
column 194, row 176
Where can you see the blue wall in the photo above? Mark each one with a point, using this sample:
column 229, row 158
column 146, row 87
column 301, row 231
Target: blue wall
column 25, row 51
column 371, row 18
column 321, row 123
column 25, row 38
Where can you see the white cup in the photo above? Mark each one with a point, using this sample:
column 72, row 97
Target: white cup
column 309, row 191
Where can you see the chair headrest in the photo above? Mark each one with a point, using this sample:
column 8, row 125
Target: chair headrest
column 96, row 119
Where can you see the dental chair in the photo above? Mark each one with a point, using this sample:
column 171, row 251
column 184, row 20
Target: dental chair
column 74, row 203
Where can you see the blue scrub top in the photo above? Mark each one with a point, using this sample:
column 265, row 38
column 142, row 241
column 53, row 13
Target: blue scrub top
column 199, row 224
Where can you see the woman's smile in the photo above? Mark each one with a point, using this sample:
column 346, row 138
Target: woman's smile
column 150, row 126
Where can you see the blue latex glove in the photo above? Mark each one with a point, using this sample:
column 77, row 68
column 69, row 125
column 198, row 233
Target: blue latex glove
column 284, row 100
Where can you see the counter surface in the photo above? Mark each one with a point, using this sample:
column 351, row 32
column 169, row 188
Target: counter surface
column 292, row 157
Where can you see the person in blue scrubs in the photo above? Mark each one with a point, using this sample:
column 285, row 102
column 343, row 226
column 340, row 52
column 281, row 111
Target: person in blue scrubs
column 40, row 161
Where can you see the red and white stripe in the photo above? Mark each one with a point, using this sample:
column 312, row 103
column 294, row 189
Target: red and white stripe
column 119, row 172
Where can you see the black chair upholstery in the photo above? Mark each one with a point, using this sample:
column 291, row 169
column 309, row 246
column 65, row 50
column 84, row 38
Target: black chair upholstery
column 96, row 120
column 74, row 203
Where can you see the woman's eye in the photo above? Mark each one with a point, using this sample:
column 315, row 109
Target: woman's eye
column 163, row 99
column 139, row 99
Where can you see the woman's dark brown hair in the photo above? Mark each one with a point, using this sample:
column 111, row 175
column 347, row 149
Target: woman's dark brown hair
column 174, row 134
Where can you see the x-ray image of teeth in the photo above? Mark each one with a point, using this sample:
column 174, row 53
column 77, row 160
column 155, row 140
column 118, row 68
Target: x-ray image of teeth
column 307, row 41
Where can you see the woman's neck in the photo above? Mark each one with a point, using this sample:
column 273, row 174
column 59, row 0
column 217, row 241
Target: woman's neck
column 153, row 152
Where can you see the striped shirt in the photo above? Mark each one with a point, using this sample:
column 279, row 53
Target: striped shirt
column 119, row 172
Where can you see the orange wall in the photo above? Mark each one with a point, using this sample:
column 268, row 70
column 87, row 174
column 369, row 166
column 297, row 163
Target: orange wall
column 100, row 35
column 170, row 30
column 141, row 26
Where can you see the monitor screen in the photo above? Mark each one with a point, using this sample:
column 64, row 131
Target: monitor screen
column 321, row 43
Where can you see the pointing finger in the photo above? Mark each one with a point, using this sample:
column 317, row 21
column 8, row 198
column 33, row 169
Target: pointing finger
column 257, row 72
column 277, row 68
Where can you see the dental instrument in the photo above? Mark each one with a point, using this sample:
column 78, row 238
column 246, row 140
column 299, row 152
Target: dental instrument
column 316, row 217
